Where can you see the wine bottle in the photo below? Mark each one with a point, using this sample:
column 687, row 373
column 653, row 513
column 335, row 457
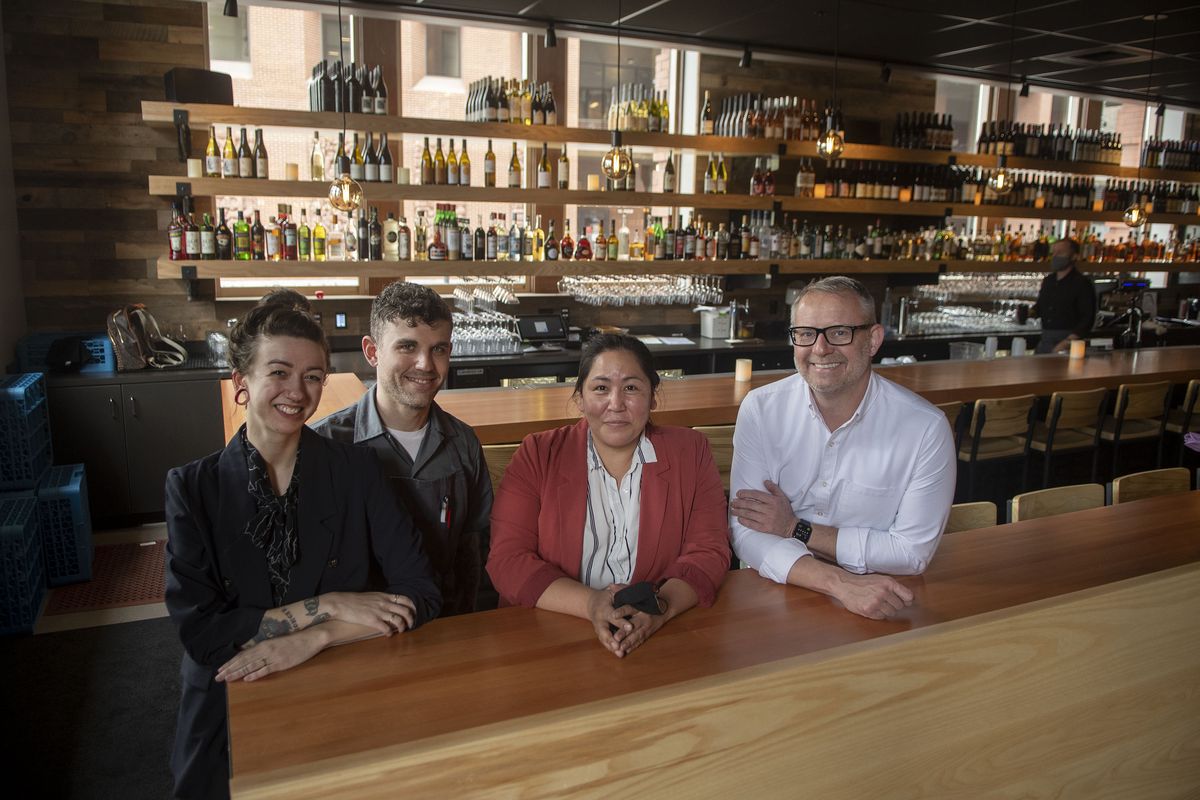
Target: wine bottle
column 381, row 92
column 706, row 116
column 316, row 161
column 290, row 236
column 245, row 158
column 543, row 169
column 384, row 157
column 550, row 107
column 427, row 171
column 175, row 234
column 669, row 173
column 489, row 166
column 224, row 239
column 564, row 171
column 358, row 164
column 364, row 236
column 600, row 249
column 439, row 165
column 229, row 160
column 260, row 156
column 208, row 239
column 212, row 155
column 319, row 239
column 365, row 89
column 242, row 249
column 370, row 160
column 258, row 240
column 304, row 238
column 514, row 170
column 452, row 166
column 464, row 166
column 191, row 238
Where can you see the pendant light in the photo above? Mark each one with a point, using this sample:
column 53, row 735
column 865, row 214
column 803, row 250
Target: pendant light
column 830, row 144
column 1002, row 181
column 1135, row 216
column 616, row 163
column 345, row 193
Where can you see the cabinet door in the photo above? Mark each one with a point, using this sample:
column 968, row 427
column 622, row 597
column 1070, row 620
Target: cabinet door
column 167, row 424
column 87, row 427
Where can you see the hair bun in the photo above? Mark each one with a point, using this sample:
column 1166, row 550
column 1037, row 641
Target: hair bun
column 286, row 298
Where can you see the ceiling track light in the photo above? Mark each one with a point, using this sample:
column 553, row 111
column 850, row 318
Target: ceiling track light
column 1135, row 215
column 885, row 73
column 231, row 9
column 747, row 58
column 551, row 36
column 1024, row 86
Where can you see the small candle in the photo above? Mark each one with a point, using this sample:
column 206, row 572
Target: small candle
column 593, row 183
column 1078, row 348
column 195, row 168
column 402, row 176
column 818, row 191
column 1018, row 346
column 742, row 369
column 292, row 171
column 905, row 195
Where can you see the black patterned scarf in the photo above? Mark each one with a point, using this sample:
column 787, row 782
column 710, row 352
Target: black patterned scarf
column 273, row 526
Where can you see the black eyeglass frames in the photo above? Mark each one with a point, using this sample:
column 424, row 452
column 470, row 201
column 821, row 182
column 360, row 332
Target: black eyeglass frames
column 836, row 335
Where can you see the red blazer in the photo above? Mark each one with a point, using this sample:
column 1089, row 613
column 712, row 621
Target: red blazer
column 538, row 515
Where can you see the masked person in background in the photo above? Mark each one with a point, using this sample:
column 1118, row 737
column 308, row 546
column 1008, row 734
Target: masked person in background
column 1066, row 303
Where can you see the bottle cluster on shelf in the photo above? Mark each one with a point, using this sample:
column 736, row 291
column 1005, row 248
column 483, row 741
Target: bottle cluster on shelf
column 368, row 163
column 349, row 87
column 638, row 107
column 1050, row 142
column 1168, row 154
column 510, row 100
column 757, row 117
column 245, row 238
column 235, row 161
column 923, row 130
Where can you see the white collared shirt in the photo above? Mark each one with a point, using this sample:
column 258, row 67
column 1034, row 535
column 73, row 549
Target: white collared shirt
column 610, row 529
column 885, row 479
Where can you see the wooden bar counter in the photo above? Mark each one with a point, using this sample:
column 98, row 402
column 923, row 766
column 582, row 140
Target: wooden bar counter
column 506, row 415
column 1049, row 658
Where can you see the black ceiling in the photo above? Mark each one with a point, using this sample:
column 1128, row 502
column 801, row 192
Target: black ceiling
column 1097, row 46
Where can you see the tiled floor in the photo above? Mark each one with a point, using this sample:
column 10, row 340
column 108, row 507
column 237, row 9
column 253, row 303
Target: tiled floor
column 107, row 616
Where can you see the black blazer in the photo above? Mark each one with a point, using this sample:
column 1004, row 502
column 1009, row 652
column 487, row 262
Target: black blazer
column 354, row 536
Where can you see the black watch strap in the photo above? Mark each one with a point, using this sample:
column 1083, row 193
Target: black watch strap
column 803, row 531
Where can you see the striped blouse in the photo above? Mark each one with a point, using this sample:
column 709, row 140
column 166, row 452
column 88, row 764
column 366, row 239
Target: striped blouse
column 610, row 528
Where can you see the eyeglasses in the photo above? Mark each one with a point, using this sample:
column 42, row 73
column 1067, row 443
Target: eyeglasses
column 836, row 335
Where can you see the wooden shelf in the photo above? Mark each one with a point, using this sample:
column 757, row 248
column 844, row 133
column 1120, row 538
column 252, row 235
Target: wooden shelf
column 175, row 270
column 896, row 208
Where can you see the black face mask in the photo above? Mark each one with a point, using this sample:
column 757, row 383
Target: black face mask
column 1059, row 263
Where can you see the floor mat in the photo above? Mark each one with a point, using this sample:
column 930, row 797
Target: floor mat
column 122, row 575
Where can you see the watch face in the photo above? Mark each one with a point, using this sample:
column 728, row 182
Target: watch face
column 802, row 531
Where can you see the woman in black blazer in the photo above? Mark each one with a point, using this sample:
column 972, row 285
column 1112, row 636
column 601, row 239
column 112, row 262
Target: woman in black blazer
column 274, row 540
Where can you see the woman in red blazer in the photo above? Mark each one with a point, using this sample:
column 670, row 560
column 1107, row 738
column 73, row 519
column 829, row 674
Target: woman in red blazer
column 563, row 537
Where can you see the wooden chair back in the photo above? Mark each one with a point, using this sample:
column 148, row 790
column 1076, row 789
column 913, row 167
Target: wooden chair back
column 969, row 516
column 1059, row 500
column 1142, row 400
column 1076, row 409
column 1150, row 484
column 1002, row 416
column 497, row 457
column 1191, row 396
column 720, row 440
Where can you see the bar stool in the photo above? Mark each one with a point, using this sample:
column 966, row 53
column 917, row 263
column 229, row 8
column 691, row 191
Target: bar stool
column 1150, row 483
column 1140, row 414
column 1001, row 427
column 1059, row 500
column 969, row 516
column 497, row 457
column 1183, row 420
column 956, row 418
column 720, row 441
column 1063, row 430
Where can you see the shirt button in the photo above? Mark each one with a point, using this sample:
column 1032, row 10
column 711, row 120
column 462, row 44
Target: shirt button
column 332, row 563
column 820, row 513
column 829, row 445
column 824, row 483
column 227, row 582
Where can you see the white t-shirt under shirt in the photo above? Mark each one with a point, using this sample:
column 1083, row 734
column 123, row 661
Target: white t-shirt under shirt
column 410, row 440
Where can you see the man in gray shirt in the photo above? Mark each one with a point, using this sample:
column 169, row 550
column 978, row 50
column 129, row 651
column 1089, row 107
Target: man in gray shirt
column 433, row 460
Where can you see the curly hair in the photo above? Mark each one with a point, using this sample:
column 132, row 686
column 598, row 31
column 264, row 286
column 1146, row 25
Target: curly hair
column 410, row 302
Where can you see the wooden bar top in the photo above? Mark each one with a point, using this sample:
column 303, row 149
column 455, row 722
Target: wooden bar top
column 502, row 416
column 472, row 673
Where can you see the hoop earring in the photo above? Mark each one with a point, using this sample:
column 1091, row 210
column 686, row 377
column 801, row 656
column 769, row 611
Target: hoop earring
column 242, row 396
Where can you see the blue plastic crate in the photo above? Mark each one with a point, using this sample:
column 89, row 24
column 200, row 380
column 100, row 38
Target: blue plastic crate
column 65, row 525
column 33, row 349
column 20, row 395
column 22, row 578
column 25, row 451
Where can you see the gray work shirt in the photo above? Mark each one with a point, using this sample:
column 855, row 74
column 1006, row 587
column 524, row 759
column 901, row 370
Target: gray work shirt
column 447, row 489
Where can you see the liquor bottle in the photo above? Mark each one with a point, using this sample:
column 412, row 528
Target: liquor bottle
column 335, row 243
column 224, row 239
column 403, row 241
column 245, row 158
column 543, row 169
column 526, row 104
column 421, row 239
column 358, row 169
column 439, row 165
column 464, row 165
column 370, row 159
column 229, row 160
column 427, row 171
column 552, row 245
column 212, row 155
column 260, row 156
column 384, row 157
column 550, row 107
column 242, row 249
column 320, row 239
column 191, row 238
column 258, row 240
column 437, row 248
column 600, row 248
column 566, row 246
column 514, row 170
column 452, row 166
column 501, row 239
column 680, row 238
column 538, row 238
column 291, row 236
column 489, row 166
column 613, row 241
column 351, row 237
column 175, row 234
column 516, row 242
column 538, row 111
column 208, row 239
column 490, row 241
column 583, row 249
column 669, row 173
column 391, row 238
column 631, row 176
column 622, row 248
column 564, row 169
column 364, row 235
column 381, row 92
column 304, row 238
column 689, row 240
column 480, row 245
column 452, row 235
column 706, row 116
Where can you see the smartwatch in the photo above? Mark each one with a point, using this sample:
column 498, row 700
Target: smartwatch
column 802, row 532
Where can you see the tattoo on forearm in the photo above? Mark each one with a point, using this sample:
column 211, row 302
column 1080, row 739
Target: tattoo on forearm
column 312, row 607
column 291, row 619
column 270, row 628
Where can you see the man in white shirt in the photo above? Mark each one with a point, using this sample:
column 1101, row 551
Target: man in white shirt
column 840, row 463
